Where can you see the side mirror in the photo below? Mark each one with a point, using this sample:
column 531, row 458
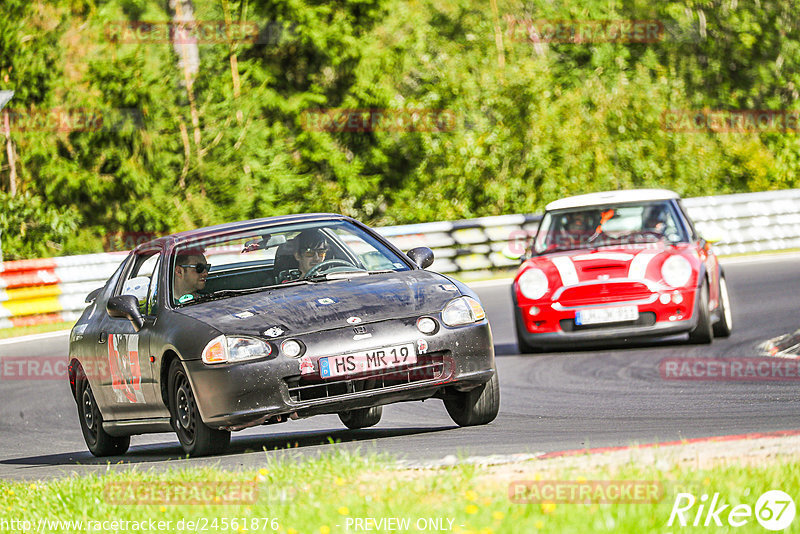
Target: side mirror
column 125, row 307
column 712, row 234
column 92, row 296
column 422, row 256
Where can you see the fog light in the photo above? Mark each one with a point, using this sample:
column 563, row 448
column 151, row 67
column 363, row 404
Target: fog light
column 533, row 310
column 426, row 325
column 291, row 348
column 664, row 298
column 677, row 298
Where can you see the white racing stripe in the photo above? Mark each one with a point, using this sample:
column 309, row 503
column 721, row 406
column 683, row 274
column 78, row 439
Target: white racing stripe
column 566, row 270
column 638, row 267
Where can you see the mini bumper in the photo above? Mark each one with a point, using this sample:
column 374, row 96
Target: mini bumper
column 555, row 326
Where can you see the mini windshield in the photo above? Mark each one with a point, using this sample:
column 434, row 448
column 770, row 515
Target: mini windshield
column 275, row 258
column 578, row 228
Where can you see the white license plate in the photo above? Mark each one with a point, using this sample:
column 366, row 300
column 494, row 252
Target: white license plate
column 367, row 360
column 616, row 314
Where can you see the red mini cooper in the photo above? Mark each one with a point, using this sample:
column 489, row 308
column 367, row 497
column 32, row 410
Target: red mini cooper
column 615, row 266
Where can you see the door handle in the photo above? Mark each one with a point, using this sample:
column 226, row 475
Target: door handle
column 102, row 338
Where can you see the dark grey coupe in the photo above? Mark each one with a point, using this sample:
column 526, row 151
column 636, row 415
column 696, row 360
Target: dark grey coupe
column 257, row 322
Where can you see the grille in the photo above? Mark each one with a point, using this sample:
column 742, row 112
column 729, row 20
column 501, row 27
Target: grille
column 428, row 367
column 604, row 292
column 645, row 319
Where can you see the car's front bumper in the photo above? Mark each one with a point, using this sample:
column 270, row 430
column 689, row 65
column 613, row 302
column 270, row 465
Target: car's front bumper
column 555, row 326
column 236, row 396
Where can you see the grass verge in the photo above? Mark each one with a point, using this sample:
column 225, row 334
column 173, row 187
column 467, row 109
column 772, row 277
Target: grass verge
column 329, row 493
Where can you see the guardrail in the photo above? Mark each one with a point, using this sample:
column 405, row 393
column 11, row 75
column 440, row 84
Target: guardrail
column 54, row 289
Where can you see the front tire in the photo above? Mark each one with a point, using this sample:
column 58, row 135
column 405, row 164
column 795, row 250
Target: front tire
column 97, row 440
column 196, row 438
column 362, row 417
column 724, row 326
column 478, row 406
column 702, row 333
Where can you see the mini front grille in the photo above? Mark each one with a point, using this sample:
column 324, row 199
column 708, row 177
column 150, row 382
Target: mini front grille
column 428, row 367
column 645, row 319
column 587, row 294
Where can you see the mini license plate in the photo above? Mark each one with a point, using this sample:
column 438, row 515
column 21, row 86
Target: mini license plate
column 366, row 361
column 616, row 314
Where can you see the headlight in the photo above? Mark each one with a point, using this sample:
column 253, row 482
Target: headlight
column 533, row 284
column 463, row 310
column 676, row 271
column 224, row 349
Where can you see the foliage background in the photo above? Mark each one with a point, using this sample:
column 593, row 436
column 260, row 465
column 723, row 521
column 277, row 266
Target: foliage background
column 533, row 122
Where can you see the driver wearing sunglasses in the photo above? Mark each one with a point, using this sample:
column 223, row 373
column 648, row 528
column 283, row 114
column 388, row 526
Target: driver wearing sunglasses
column 312, row 249
column 191, row 271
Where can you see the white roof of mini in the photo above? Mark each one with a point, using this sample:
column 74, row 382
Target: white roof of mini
column 612, row 197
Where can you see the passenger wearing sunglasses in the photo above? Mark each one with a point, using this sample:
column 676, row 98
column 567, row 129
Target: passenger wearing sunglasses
column 191, row 271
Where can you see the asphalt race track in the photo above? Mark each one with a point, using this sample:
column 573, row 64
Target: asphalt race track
column 555, row 401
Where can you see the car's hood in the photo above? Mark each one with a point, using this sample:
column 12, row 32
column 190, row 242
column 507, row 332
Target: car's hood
column 305, row 308
column 636, row 262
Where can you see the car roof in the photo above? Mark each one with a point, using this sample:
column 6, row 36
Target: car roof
column 612, row 197
column 241, row 226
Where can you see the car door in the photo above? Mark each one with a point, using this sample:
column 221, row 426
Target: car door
column 130, row 385
column 708, row 258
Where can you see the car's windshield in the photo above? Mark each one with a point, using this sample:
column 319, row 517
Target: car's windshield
column 276, row 257
column 591, row 227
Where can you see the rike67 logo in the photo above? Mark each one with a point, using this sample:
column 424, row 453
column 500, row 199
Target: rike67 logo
column 774, row 510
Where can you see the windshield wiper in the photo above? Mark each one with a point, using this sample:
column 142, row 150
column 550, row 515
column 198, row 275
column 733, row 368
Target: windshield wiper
column 224, row 293
column 341, row 275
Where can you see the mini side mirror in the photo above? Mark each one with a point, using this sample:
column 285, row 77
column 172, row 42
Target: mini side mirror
column 125, row 307
column 422, row 256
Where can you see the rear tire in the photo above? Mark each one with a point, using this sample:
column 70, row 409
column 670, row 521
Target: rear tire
column 475, row 407
column 196, row 438
column 702, row 333
column 724, row 326
column 362, row 417
column 97, row 440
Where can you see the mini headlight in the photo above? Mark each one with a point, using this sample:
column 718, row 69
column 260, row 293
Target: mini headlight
column 291, row 348
column 235, row 349
column 426, row 325
column 463, row 310
column 533, row 283
column 676, row 271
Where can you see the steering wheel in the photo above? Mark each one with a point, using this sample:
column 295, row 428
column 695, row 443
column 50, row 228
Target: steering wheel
column 327, row 264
